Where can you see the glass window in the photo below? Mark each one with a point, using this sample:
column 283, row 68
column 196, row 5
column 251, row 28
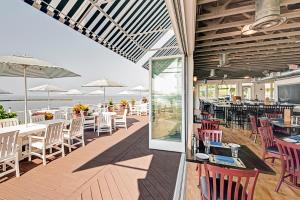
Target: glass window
column 167, row 90
column 211, row 91
column 225, row 90
column 202, row 90
column 269, row 90
column 247, row 92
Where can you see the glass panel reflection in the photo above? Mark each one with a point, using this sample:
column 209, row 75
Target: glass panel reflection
column 167, row 99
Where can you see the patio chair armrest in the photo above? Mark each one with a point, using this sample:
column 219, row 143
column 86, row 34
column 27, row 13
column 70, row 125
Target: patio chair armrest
column 35, row 137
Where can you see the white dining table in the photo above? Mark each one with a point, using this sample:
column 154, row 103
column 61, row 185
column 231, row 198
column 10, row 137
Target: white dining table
column 29, row 129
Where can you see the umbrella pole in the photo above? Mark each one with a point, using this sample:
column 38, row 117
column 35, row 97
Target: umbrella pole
column 48, row 100
column 25, row 84
column 104, row 94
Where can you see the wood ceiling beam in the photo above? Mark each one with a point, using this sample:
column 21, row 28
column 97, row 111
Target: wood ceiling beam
column 232, row 48
column 238, row 33
column 200, row 2
column 251, row 49
column 239, row 10
column 225, row 13
column 249, row 39
column 289, row 15
column 253, row 56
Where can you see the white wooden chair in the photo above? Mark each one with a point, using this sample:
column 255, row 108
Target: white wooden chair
column 88, row 121
column 132, row 110
column 74, row 133
column 53, row 138
column 9, row 153
column 121, row 121
column 37, row 118
column 104, row 124
column 9, row 122
column 143, row 109
column 61, row 114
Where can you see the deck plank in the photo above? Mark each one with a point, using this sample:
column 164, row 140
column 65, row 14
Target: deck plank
column 119, row 166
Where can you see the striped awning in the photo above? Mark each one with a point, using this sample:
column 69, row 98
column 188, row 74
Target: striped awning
column 168, row 49
column 127, row 27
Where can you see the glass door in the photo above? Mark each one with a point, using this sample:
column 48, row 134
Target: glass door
column 167, row 104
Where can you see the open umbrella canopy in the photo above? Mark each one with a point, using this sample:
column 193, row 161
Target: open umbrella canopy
column 47, row 88
column 96, row 92
column 125, row 92
column 4, row 92
column 24, row 66
column 139, row 88
column 73, row 92
column 104, row 83
column 14, row 66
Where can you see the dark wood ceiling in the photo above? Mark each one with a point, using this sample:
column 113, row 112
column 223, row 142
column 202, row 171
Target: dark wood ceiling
column 219, row 24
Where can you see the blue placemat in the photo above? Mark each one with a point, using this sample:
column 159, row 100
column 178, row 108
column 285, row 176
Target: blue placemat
column 219, row 144
column 224, row 160
column 295, row 137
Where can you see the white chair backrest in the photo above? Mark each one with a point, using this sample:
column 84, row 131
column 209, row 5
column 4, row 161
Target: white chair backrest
column 144, row 107
column 9, row 122
column 54, row 133
column 105, row 119
column 61, row 114
column 21, row 117
column 76, row 126
column 37, row 118
column 8, row 144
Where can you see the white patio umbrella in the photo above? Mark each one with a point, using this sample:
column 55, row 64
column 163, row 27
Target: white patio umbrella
column 96, row 92
column 23, row 66
column 73, row 92
column 47, row 88
column 4, row 92
column 104, row 83
column 126, row 92
column 140, row 89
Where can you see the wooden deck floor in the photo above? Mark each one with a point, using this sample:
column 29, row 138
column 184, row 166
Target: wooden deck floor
column 110, row 167
column 266, row 183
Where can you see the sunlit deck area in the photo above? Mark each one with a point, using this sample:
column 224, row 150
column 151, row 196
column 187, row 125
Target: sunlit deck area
column 119, row 166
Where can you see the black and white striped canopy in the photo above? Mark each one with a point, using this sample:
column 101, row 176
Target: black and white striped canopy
column 127, row 27
column 168, row 49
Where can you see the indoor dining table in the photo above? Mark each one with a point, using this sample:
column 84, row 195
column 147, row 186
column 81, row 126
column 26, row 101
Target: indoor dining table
column 291, row 128
column 246, row 156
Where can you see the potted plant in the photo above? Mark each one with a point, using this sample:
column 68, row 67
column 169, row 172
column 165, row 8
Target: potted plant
column 144, row 100
column 110, row 105
column 4, row 114
column 48, row 115
column 80, row 107
column 133, row 101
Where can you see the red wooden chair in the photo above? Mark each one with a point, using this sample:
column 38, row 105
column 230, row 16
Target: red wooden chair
column 214, row 135
column 223, row 183
column 254, row 129
column 273, row 115
column 206, row 116
column 290, row 163
column 264, row 122
column 269, row 146
column 209, row 125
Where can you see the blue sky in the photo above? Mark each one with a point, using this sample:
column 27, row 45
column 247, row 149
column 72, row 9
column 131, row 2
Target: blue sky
column 25, row 30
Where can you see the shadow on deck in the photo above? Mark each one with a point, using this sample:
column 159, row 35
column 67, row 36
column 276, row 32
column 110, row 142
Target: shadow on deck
column 120, row 166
